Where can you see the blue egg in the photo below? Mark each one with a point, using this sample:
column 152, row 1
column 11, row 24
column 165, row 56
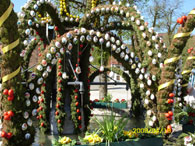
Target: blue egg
column 136, row 59
column 18, row 23
column 30, row 22
column 36, row 7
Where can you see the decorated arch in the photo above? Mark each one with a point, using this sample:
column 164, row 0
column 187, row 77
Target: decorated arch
column 68, row 49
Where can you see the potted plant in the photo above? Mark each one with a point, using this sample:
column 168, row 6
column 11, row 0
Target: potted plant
column 107, row 103
column 187, row 116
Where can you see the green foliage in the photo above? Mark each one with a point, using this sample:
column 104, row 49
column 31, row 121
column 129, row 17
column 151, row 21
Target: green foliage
column 111, row 128
column 107, row 98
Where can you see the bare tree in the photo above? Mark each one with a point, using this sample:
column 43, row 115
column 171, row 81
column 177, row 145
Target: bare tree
column 164, row 14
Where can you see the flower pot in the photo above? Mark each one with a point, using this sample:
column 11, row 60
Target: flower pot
column 156, row 141
column 188, row 128
column 109, row 105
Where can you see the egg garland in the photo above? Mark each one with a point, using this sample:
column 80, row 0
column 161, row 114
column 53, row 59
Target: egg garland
column 116, row 9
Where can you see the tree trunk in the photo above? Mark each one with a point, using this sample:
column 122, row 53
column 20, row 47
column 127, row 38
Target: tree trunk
column 103, row 88
column 10, row 63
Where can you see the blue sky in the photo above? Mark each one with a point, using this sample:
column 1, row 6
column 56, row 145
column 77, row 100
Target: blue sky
column 187, row 5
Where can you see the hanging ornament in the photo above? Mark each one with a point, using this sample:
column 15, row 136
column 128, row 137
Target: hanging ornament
column 44, row 62
column 40, row 81
column 34, row 98
column 156, row 46
column 101, row 68
column 64, row 40
column 53, row 50
column 143, row 70
column 122, row 54
column 141, row 85
column 30, row 22
column 5, row 92
column 146, row 101
column 152, row 96
column 138, row 22
column 48, row 68
column 28, row 102
column 133, row 66
column 57, row 44
column 141, row 77
column 70, row 46
column 111, row 74
column 88, row 38
column 82, row 38
column 49, row 56
column 34, row 112
column 149, row 82
column 25, row 42
column 117, row 50
column 27, row 95
column 53, row 61
column 95, row 39
column 153, row 77
column 64, row 75
column 101, row 41
column 148, row 43
column 132, row 54
column 26, row 115
column 126, row 57
column 78, row 70
column 31, row 86
column 62, row 50
column 29, row 122
column 27, row 136
column 57, row 55
column 107, row 36
column 91, row 59
column 38, row 91
column 108, row 44
column 32, row 13
column 69, row 35
column 144, row 35
column 45, row 74
column 132, row 18
column 27, row 31
column 150, row 123
column 91, row 32
column 154, row 61
column 39, row 67
column 148, row 92
column 24, row 126
column 141, row 27
column 137, row 70
column 149, row 112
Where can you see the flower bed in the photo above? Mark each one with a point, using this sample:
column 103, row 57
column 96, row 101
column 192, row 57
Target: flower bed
column 157, row 141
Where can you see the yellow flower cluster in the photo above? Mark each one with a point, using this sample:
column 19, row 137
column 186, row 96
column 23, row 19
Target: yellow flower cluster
column 63, row 9
column 130, row 134
column 93, row 3
column 93, row 138
column 64, row 140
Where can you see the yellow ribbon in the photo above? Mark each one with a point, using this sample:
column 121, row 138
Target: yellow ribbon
column 191, row 57
column 11, row 75
column 166, row 84
column 179, row 35
column 192, row 12
column 184, row 85
column 170, row 60
column 6, row 14
column 10, row 46
column 186, row 71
